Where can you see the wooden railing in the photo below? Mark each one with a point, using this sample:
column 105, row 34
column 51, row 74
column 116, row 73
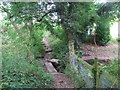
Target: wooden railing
column 88, row 66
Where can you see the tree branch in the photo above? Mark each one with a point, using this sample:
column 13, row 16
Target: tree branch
column 51, row 11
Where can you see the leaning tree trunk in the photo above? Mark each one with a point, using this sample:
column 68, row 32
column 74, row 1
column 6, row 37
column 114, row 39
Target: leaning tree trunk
column 15, row 26
column 70, row 46
column 32, row 37
column 65, row 17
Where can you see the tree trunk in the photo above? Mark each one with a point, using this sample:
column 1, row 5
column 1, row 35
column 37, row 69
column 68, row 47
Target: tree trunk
column 65, row 16
column 30, row 25
column 95, row 39
column 32, row 37
column 70, row 46
column 14, row 25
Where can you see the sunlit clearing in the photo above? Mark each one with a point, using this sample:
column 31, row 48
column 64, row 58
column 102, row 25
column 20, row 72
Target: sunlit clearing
column 114, row 30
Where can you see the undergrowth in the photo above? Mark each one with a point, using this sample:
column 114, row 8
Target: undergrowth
column 20, row 68
column 59, row 47
column 58, row 43
column 112, row 68
column 75, row 77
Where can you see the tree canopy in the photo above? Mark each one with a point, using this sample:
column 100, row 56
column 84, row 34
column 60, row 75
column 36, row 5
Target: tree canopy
column 70, row 23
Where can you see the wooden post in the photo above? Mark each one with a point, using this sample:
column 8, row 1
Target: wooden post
column 96, row 74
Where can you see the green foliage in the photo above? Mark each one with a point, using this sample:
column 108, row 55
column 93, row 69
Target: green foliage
column 21, row 46
column 82, row 16
column 103, row 32
column 20, row 68
column 59, row 46
column 24, row 75
column 60, row 33
column 37, row 48
column 108, row 13
column 75, row 77
column 112, row 68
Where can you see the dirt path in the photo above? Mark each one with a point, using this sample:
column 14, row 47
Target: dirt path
column 60, row 80
column 101, row 52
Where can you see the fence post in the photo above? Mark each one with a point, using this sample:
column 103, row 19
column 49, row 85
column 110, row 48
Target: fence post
column 96, row 74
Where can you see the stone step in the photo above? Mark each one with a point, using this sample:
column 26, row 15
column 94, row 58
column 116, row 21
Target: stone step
column 53, row 60
column 54, row 73
column 50, row 68
column 48, row 50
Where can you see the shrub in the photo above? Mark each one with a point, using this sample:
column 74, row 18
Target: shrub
column 103, row 32
column 59, row 47
column 20, row 68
